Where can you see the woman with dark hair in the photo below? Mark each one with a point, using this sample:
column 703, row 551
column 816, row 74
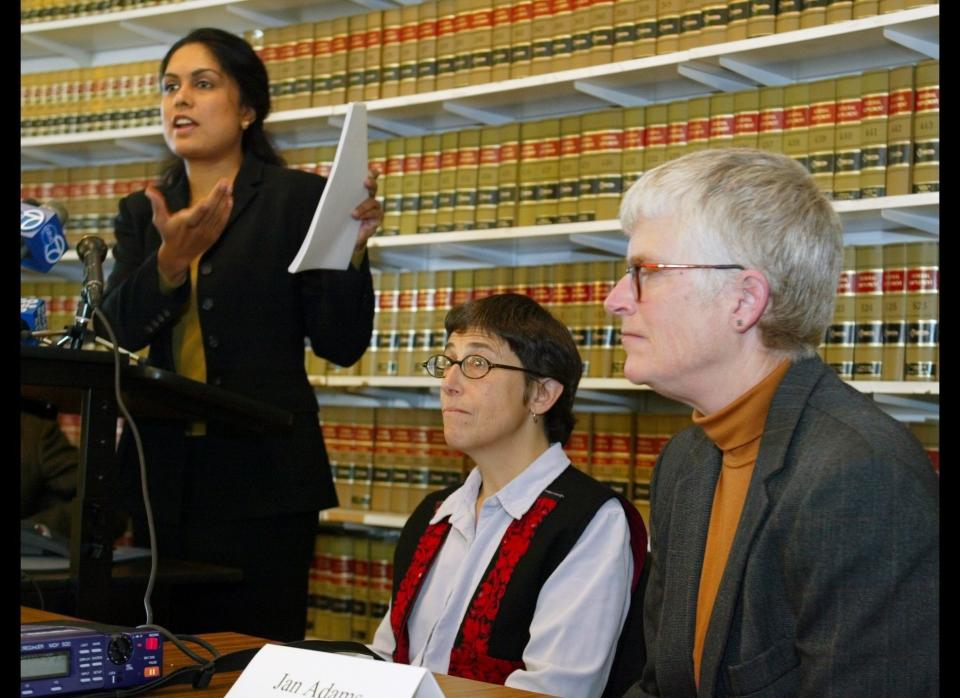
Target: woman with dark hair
column 528, row 574
column 201, row 277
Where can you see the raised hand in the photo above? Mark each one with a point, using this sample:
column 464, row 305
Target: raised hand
column 191, row 231
column 368, row 212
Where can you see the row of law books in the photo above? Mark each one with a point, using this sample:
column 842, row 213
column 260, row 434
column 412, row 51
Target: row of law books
column 886, row 322
column 861, row 136
column 387, row 459
column 428, row 47
column 90, row 194
column 79, row 100
column 52, row 10
column 350, row 583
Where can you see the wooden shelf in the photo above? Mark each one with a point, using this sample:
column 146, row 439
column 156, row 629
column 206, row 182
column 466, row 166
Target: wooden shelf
column 363, row 518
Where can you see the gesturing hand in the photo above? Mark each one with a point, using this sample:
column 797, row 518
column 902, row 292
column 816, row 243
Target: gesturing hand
column 189, row 232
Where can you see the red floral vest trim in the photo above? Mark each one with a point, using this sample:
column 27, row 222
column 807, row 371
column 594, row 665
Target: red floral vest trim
column 409, row 588
column 470, row 656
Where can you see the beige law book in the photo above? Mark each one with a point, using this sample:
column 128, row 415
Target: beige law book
column 468, row 162
column 676, row 129
column 926, row 128
column 894, row 310
column 813, row 14
column 424, row 79
column 838, row 11
column 581, row 39
column 488, row 173
column 796, row 123
column 715, row 18
column 561, row 49
column 770, row 135
column 429, row 184
column 361, row 447
column 875, row 101
column 645, row 24
column 322, row 62
column 484, row 282
column 407, row 323
column 356, row 56
column 721, row 120
column 339, row 51
column 393, row 187
column 447, row 181
column 368, row 362
column 900, row 132
column 928, row 434
column 464, row 286
column 446, row 43
column 381, row 582
column 410, row 190
column 746, row 118
column 462, row 53
column 763, row 18
column 530, row 136
column 848, row 159
column 841, row 334
column 864, row 8
column 656, row 133
column 390, row 52
column 668, row 25
column 301, row 97
column 823, row 135
column 426, row 281
column 383, row 461
column 340, row 586
column 691, row 24
column 481, row 42
column 541, row 37
column 738, row 15
column 568, row 191
column 886, row 6
column 788, row 15
column 577, row 447
column 401, row 419
column 624, row 29
column 372, row 70
column 601, row 32
column 600, row 276
column 868, row 300
column 521, row 38
column 613, row 451
column 547, row 172
column 923, row 312
column 500, row 40
column 698, row 124
column 361, row 588
column 421, row 464
column 507, row 174
column 632, row 159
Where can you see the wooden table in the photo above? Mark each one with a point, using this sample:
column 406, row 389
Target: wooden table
column 173, row 658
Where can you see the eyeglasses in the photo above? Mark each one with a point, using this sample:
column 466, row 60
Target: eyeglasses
column 636, row 268
column 472, row 366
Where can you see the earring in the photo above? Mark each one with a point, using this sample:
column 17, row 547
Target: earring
column 244, row 125
column 536, row 417
column 739, row 323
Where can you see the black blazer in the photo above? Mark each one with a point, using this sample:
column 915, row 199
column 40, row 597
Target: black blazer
column 254, row 316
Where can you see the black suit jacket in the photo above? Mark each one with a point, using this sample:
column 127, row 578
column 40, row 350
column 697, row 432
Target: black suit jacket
column 254, row 316
column 832, row 583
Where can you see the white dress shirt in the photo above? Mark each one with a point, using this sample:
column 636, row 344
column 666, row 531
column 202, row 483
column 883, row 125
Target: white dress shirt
column 581, row 607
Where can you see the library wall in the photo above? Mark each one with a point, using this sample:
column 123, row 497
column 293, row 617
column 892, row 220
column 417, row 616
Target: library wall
column 864, row 134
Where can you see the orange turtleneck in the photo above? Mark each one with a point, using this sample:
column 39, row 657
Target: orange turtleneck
column 736, row 430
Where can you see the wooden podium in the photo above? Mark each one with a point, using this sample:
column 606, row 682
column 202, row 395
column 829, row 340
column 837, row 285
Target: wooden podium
column 84, row 382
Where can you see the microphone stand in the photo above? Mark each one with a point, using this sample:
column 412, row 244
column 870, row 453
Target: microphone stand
column 75, row 337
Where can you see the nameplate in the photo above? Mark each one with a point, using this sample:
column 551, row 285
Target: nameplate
column 288, row 672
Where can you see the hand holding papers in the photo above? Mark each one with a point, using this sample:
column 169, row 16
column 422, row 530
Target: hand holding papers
column 333, row 231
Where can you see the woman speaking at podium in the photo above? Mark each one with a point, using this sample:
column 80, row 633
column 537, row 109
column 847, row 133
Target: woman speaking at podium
column 201, row 277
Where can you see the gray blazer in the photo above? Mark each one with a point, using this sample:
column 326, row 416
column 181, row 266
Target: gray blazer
column 832, row 584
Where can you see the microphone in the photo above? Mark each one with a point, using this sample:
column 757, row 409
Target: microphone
column 42, row 241
column 33, row 316
column 92, row 251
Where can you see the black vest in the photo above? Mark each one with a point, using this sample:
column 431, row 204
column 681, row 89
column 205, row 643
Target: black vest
column 577, row 498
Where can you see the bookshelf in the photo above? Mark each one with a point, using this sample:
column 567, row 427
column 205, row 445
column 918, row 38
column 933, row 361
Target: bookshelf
column 890, row 40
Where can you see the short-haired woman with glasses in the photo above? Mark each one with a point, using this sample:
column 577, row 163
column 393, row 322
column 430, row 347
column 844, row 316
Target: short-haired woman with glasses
column 525, row 575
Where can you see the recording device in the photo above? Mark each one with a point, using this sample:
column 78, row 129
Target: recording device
column 92, row 251
column 42, row 241
column 58, row 659
column 33, row 317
